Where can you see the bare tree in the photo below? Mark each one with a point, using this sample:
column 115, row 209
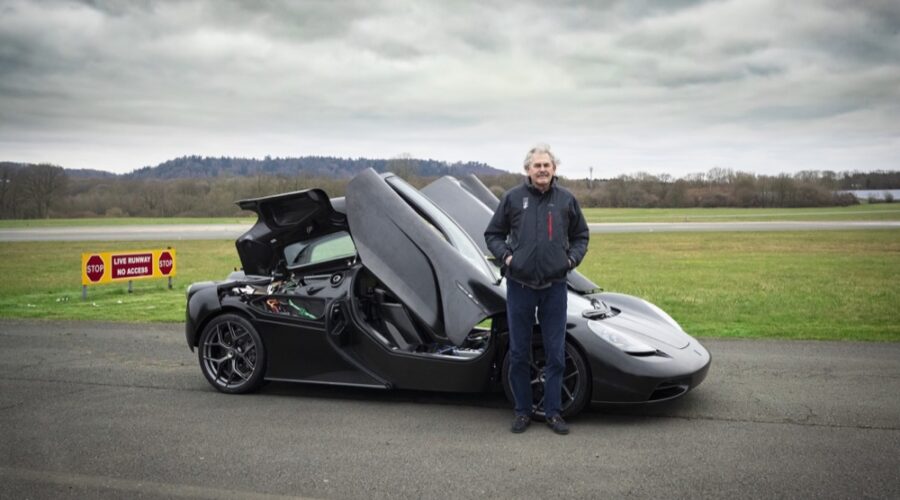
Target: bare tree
column 42, row 185
column 7, row 202
column 403, row 165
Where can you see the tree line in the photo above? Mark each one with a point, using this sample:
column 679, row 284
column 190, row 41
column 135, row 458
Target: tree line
column 42, row 191
column 719, row 187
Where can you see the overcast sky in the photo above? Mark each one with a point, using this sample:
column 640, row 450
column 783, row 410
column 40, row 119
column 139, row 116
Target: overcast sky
column 666, row 86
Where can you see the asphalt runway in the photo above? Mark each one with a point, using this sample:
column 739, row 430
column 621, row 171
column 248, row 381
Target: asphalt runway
column 98, row 410
column 176, row 232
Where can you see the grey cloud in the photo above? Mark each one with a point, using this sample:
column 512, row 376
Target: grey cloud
column 453, row 75
column 289, row 19
column 485, row 40
column 855, row 33
column 765, row 69
column 663, row 43
column 741, row 48
column 798, row 112
column 393, row 50
column 629, row 10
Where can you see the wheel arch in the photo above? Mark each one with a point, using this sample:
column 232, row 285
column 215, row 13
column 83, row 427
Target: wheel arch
column 213, row 314
column 572, row 339
column 588, row 379
column 238, row 354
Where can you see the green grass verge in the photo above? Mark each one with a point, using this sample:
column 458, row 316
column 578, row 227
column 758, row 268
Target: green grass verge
column 841, row 285
column 836, row 285
column 865, row 212
column 43, row 280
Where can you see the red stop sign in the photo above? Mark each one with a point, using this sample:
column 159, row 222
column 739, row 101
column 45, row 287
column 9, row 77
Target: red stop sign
column 94, row 268
column 166, row 262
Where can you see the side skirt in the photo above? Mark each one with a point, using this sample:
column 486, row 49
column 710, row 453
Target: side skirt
column 328, row 382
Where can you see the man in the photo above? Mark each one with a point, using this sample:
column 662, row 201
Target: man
column 539, row 234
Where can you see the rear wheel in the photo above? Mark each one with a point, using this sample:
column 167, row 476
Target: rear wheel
column 232, row 355
column 576, row 381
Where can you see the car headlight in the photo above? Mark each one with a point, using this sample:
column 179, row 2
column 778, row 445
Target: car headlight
column 623, row 341
column 665, row 316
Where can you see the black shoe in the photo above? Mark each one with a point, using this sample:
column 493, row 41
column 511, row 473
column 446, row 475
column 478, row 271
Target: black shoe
column 558, row 425
column 520, row 423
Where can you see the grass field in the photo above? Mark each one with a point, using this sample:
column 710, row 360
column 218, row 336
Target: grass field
column 43, row 280
column 874, row 212
column 797, row 285
column 865, row 212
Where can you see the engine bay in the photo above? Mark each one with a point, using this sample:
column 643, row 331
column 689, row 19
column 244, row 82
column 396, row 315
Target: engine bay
column 306, row 297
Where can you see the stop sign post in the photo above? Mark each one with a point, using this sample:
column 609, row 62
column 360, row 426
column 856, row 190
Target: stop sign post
column 165, row 263
column 93, row 269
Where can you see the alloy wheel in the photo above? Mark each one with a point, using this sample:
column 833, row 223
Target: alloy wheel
column 230, row 354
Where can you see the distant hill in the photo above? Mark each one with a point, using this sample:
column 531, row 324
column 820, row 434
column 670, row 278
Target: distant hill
column 198, row 167
column 193, row 167
column 77, row 173
column 89, row 173
column 11, row 165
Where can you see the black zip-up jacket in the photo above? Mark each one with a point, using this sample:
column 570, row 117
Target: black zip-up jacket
column 545, row 233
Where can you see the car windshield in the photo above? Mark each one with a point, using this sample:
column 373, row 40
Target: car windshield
column 448, row 228
column 329, row 247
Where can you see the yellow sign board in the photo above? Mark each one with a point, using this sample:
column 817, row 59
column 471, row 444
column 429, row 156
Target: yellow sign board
column 107, row 267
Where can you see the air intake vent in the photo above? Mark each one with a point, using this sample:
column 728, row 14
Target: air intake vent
column 668, row 390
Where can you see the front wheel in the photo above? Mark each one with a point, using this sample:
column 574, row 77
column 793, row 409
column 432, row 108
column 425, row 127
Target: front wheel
column 232, row 355
column 576, row 381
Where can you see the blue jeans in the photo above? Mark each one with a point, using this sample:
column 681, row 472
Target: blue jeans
column 550, row 303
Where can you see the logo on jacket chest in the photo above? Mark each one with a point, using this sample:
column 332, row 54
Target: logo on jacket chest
column 524, row 203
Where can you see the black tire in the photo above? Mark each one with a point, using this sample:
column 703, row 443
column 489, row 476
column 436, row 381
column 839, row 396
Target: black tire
column 576, row 381
column 231, row 354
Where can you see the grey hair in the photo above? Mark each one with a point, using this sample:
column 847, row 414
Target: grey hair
column 540, row 148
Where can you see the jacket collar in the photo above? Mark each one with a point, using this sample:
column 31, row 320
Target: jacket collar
column 537, row 191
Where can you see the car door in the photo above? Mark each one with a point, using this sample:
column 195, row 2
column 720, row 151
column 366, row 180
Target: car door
column 422, row 256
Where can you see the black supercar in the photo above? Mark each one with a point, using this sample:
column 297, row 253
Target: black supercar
column 390, row 287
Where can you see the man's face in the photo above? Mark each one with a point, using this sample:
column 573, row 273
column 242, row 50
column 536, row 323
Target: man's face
column 541, row 171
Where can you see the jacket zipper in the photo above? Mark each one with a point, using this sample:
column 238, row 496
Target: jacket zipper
column 550, row 225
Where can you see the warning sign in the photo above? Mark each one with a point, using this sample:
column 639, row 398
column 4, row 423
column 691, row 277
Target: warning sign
column 107, row 267
column 137, row 265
